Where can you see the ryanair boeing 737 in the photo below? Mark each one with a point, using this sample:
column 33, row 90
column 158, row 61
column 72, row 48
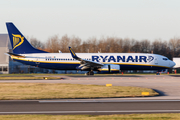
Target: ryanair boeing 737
column 25, row 53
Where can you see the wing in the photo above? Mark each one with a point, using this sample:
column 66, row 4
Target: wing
column 85, row 63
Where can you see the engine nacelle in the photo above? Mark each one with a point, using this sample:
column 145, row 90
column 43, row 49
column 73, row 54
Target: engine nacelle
column 109, row 68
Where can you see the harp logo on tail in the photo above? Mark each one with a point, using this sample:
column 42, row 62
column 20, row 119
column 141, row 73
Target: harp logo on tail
column 17, row 40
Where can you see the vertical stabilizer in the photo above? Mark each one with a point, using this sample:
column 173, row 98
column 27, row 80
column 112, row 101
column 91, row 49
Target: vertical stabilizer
column 19, row 43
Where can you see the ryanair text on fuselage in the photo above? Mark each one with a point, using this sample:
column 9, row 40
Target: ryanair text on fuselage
column 122, row 58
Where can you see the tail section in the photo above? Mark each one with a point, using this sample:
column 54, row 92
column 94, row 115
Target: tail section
column 19, row 43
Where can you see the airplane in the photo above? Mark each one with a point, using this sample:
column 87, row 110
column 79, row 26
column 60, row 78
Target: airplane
column 25, row 53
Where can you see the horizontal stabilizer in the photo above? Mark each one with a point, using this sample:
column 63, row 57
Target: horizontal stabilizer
column 16, row 55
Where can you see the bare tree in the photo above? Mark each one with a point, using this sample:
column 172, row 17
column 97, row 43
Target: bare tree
column 136, row 47
column 174, row 44
column 127, row 45
column 64, row 43
column 36, row 43
column 52, row 44
column 75, row 43
column 145, row 46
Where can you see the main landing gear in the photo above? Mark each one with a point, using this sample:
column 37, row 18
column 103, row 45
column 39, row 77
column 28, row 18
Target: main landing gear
column 158, row 73
column 90, row 73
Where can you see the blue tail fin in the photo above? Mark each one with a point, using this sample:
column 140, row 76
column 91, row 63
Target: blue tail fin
column 19, row 43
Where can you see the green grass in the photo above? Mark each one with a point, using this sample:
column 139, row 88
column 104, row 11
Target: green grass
column 31, row 91
column 167, row 116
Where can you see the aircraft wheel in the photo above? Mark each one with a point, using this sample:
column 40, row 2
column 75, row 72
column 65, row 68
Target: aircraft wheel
column 88, row 73
column 91, row 73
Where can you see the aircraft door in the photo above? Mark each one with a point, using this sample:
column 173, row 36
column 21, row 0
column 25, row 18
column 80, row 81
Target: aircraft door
column 156, row 61
column 109, row 67
column 37, row 61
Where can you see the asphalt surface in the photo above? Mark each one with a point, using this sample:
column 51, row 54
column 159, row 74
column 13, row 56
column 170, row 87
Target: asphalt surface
column 168, row 87
column 93, row 108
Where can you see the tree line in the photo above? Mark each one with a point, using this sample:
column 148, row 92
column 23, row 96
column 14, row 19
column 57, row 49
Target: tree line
column 169, row 48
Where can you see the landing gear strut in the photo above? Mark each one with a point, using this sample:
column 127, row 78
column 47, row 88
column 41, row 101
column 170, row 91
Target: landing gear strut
column 90, row 73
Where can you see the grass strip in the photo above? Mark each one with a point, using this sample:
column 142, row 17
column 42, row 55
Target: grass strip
column 164, row 116
column 29, row 91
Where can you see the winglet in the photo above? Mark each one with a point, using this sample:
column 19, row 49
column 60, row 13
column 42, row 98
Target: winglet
column 73, row 53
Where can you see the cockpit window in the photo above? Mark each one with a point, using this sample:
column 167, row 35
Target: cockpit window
column 165, row 58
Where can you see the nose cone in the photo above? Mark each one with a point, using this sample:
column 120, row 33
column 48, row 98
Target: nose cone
column 173, row 64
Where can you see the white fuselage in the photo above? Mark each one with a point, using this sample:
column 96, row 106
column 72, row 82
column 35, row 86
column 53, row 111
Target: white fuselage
column 127, row 61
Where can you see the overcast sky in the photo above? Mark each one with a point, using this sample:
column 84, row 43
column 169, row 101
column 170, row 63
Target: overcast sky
column 138, row 19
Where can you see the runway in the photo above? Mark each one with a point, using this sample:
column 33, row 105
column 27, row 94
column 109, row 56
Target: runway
column 93, row 108
column 168, row 86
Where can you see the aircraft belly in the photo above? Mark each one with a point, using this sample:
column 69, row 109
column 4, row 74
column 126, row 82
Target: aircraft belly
column 140, row 67
column 59, row 66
